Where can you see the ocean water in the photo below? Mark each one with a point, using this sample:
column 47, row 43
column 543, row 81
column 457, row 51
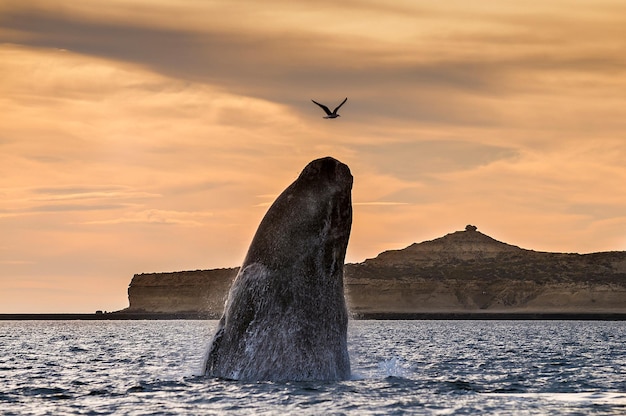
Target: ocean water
column 399, row 367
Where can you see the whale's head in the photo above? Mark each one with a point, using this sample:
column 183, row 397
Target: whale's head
column 315, row 208
column 326, row 173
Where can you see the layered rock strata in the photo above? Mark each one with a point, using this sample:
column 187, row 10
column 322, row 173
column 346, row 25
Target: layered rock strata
column 181, row 292
column 462, row 272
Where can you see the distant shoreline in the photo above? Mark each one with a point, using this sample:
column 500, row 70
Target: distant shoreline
column 111, row 316
column 126, row 316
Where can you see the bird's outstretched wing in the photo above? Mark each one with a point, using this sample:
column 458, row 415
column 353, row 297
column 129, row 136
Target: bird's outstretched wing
column 339, row 106
column 326, row 110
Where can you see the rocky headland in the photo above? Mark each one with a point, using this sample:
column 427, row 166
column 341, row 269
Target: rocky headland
column 460, row 273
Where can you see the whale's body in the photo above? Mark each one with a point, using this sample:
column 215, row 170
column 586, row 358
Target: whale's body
column 286, row 317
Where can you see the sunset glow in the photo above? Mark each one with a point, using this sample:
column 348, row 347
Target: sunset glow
column 143, row 136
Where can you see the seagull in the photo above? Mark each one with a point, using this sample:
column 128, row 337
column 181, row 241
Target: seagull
column 328, row 112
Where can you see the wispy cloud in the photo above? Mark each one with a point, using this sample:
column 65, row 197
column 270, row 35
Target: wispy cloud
column 419, row 159
column 75, row 207
column 380, row 203
column 67, row 198
column 79, row 190
column 159, row 217
column 63, row 193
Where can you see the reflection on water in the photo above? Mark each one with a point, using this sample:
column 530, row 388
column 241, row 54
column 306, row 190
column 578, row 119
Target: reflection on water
column 588, row 398
column 423, row 367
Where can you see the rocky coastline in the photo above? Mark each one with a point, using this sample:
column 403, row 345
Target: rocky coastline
column 463, row 274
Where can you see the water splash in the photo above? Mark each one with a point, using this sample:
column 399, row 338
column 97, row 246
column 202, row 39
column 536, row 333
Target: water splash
column 394, row 367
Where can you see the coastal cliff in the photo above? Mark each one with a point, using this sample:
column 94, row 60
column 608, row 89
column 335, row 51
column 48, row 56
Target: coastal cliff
column 468, row 271
column 181, row 292
column 462, row 272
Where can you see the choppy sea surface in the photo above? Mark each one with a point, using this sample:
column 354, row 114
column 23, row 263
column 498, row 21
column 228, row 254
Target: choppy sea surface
column 399, row 367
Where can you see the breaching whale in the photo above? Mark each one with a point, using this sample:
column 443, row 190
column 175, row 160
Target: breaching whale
column 285, row 318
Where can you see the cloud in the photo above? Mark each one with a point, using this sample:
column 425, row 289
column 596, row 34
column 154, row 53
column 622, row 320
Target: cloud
column 379, row 203
column 70, row 192
column 68, row 198
column 154, row 216
column 75, row 207
column 424, row 74
column 423, row 159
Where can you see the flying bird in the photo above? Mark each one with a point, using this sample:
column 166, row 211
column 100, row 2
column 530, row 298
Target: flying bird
column 330, row 114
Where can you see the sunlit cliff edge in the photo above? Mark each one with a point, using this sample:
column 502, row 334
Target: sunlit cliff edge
column 462, row 272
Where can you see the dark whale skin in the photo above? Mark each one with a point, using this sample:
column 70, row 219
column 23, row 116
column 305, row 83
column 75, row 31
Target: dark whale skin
column 285, row 318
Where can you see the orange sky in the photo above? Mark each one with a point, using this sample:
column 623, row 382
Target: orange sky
column 151, row 135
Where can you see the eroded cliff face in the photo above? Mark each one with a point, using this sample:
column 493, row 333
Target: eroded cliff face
column 465, row 271
column 189, row 291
